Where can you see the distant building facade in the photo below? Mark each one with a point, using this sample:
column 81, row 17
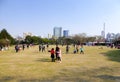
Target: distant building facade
column 49, row 36
column 27, row 34
column 117, row 36
column 110, row 37
column 103, row 34
column 57, row 32
column 65, row 33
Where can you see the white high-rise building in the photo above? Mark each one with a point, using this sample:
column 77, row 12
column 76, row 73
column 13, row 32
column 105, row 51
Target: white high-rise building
column 57, row 32
column 103, row 34
column 103, row 31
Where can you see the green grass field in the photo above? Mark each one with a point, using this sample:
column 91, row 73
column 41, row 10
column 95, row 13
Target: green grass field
column 30, row 65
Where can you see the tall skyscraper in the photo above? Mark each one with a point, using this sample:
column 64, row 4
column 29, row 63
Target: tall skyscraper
column 103, row 31
column 65, row 33
column 57, row 32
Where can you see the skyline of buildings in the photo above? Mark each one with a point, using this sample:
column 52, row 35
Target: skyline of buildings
column 58, row 32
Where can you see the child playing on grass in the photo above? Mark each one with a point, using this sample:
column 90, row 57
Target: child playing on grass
column 81, row 50
column 52, row 55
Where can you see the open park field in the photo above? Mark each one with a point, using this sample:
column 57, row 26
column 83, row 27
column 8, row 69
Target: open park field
column 30, row 65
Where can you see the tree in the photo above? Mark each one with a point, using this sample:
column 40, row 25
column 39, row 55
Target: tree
column 79, row 38
column 99, row 39
column 91, row 39
column 28, row 40
column 4, row 42
column 35, row 39
column 6, row 36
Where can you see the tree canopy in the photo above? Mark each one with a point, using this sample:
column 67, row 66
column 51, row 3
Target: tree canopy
column 6, row 38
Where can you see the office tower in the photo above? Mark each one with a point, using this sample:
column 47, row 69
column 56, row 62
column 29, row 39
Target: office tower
column 57, row 32
column 66, row 33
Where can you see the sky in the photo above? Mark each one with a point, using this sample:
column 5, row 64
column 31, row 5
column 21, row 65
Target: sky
column 78, row 16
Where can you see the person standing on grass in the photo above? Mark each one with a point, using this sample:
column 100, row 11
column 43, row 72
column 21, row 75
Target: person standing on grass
column 77, row 48
column 57, row 51
column 16, row 48
column 40, row 47
column 47, row 46
column 67, row 49
column 52, row 54
column 43, row 48
column 81, row 50
column 59, row 55
column 23, row 46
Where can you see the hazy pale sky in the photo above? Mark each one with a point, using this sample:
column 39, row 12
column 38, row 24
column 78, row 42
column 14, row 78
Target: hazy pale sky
column 41, row 16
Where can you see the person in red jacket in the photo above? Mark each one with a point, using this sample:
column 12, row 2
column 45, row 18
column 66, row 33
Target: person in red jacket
column 52, row 51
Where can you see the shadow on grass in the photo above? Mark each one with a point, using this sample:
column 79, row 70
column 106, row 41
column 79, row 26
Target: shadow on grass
column 6, row 79
column 43, row 60
column 113, row 55
column 53, row 79
column 35, row 80
column 70, row 75
column 59, row 79
column 110, row 77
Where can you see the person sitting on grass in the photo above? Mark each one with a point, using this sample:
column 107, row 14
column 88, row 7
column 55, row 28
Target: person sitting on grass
column 75, row 51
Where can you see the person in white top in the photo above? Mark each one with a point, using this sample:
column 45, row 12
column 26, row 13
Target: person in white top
column 59, row 55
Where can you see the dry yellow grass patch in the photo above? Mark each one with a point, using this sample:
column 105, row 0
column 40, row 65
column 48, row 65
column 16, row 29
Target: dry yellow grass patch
column 31, row 65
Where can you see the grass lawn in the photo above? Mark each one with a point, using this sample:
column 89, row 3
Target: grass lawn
column 30, row 65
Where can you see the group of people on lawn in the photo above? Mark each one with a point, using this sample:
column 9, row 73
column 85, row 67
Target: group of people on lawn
column 55, row 53
column 76, row 49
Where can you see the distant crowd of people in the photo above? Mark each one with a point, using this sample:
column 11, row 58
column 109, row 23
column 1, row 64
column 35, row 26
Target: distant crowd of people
column 43, row 47
column 22, row 47
column 56, row 54
column 76, row 49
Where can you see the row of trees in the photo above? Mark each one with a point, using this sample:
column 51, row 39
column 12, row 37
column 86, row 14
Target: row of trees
column 76, row 39
column 7, row 39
